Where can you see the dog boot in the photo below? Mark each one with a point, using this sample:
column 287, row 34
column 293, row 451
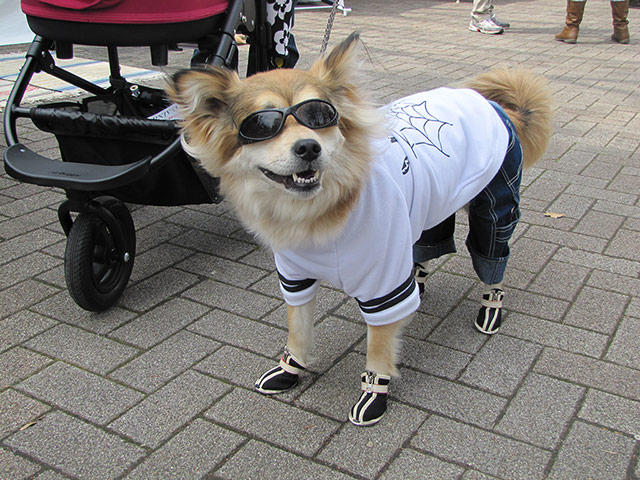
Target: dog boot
column 420, row 273
column 619, row 12
column 281, row 378
column 489, row 317
column 372, row 403
column 569, row 33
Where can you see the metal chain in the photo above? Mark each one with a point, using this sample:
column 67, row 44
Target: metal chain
column 327, row 31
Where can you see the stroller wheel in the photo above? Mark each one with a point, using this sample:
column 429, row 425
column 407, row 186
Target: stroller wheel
column 95, row 274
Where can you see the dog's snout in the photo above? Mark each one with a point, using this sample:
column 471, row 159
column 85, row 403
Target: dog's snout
column 307, row 149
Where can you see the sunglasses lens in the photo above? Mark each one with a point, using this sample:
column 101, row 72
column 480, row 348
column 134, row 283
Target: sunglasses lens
column 261, row 125
column 316, row 114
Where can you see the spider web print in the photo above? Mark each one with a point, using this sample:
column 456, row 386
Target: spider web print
column 422, row 122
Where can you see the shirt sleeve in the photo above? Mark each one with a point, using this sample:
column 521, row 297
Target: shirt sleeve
column 298, row 292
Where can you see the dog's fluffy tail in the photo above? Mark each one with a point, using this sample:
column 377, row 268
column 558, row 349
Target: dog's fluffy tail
column 527, row 100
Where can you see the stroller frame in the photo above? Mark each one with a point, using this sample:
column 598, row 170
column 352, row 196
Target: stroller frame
column 100, row 247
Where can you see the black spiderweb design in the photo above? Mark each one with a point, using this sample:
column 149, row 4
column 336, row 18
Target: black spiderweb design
column 429, row 127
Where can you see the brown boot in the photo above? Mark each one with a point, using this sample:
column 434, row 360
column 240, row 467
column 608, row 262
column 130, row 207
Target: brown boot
column 619, row 11
column 569, row 33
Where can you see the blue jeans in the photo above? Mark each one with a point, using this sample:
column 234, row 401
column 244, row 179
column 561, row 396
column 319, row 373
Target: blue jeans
column 493, row 216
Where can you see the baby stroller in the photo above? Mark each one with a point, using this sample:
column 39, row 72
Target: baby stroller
column 114, row 147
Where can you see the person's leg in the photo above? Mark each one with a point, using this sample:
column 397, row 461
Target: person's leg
column 619, row 12
column 575, row 10
column 483, row 20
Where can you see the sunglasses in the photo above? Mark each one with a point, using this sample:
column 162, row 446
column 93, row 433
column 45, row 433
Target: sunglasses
column 266, row 124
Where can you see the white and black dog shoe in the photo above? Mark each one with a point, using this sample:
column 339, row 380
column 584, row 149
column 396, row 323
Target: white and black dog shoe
column 489, row 317
column 281, row 378
column 372, row 403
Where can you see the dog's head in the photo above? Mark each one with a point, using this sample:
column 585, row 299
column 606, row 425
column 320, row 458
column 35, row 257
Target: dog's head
column 285, row 143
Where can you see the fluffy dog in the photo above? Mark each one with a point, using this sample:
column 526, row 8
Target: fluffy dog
column 363, row 197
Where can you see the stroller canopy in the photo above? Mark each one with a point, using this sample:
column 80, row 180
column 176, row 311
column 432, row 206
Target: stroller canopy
column 124, row 11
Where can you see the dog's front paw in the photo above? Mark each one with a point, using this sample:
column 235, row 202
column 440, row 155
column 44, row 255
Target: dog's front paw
column 372, row 403
column 281, row 378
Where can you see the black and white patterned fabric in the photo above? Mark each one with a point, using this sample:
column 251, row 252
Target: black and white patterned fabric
column 280, row 18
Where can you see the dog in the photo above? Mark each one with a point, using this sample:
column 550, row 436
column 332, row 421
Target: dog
column 363, row 197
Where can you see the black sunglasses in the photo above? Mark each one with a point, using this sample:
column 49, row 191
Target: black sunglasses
column 266, row 124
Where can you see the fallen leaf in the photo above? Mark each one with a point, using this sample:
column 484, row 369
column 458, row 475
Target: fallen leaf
column 553, row 215
column 27, row 425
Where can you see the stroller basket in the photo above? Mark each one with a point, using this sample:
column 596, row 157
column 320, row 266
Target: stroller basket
column 102, row 130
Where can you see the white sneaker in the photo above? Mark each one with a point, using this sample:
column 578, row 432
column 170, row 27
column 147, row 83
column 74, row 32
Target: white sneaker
column 485, row 26
column 500, row 23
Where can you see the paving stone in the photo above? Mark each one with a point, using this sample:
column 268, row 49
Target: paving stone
column 209, row 222
column 160, row 323
column 23, row 295
column 540, row 411
column 613, row 282
column 149, row 236
column 51, row 475
column 259, row 460
column 600, row 224
column 22, row 326
column 158, row 416
column 612, row 412
column 364, row 451
column 241, row 332
column 592, row 452
column 333, row 337
column 609, row 264
column 19, row 363
column 434, row 359
column 287, row 427
column 191, row 454
column 232, row 299
column 501, row 364
column 26, row 267
column 448, row 398
column 14, row 467
column 596, row 309
column 590, row 372
column 222, row 270
column 481, row 450
column 442, row 293
column 214, row 244
column 456, row 330
column 557, row 281
column 235, row 366
column 81, row 393
column 87, row 350
column 156, row 259
column 625, row 347
column 413, row 465
column 76, row 448
column 154, row 290
column 157, row 366
column 17, row 410
column 552, row 334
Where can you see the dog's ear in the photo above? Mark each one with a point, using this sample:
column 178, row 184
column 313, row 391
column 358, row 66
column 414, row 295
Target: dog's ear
column 201, row 92
column 339, row 67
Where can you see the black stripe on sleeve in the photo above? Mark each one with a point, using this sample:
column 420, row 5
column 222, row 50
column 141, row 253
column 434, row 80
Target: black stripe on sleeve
column 295, row 285
column 395, row 297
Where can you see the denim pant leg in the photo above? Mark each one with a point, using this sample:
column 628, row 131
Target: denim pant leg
column 495, row 212
column 436, row 241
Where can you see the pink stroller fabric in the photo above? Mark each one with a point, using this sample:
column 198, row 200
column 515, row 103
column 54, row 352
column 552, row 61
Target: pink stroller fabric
column 124, row 11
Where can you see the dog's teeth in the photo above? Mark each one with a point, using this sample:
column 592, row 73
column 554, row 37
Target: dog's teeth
column 298, row 179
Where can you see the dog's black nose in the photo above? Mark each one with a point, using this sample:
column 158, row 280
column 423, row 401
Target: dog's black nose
column 307, row 149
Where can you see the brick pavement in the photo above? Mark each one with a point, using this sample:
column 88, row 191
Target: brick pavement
column 161, row 385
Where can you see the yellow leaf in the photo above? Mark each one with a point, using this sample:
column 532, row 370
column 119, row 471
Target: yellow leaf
column 553, row 215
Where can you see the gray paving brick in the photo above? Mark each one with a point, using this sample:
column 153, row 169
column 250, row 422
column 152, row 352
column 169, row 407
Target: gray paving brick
column 614, row 282
column 333, row 337
column 22, row 326
column 271, row 420
column 592, row 452
column 232, row 299
column 18, row 363
column 27, row 243
column 158, row 365
column 612, row 412
column 222, row 270
column 590, row 372
column 535, row 305
column 413, row 465
column 432, row 358
column 540, row 411
column 15, row 467
column 17, row 410
column 81, row 393
column 154, row 290
column 214, row 244
column 442, row 293
column 344, row 449
column 625, row 245
column 241, row 332
column 552, row 334
column 159, row 415
column 596, row 309
column 23, row 295
column 152, row 235
column 26, row 267
column 600, row 224
column 51, row 475
column 191, row 454
column 456, row 330
column 160, row 323
column 76, row 448
column 448, row 398
column 259, row 460
column 501, row 364
column 210, row 221
column 625, row 347
column 156, row 259
column 235, row 366
column 479, row 449
column 601, row 262
column 87, row 350
column 556, row 281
